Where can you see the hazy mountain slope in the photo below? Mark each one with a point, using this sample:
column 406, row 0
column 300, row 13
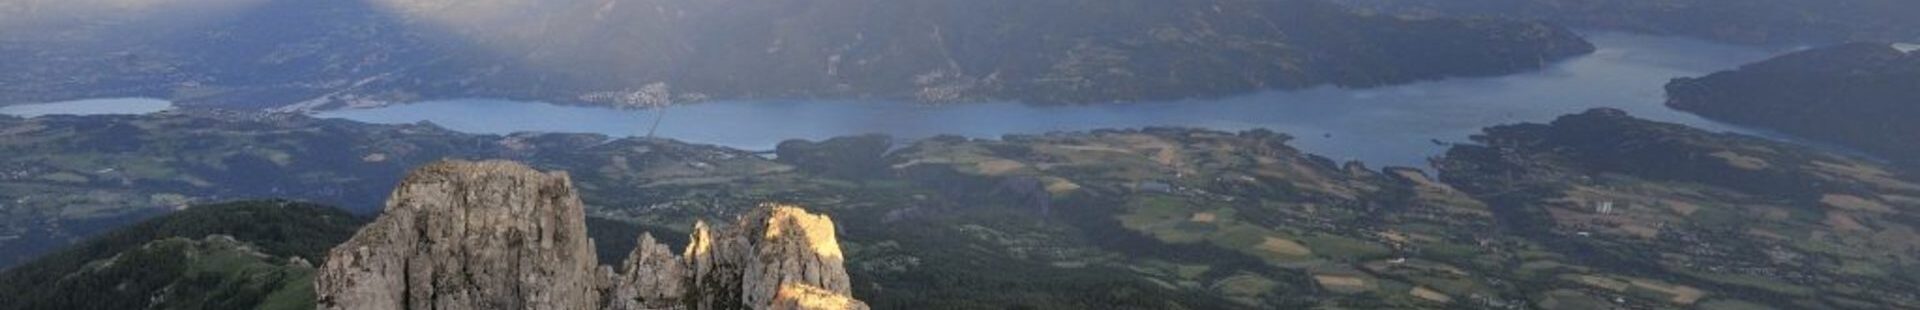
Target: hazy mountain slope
column 224, row 256
column 271, row 53
column 236, row 53
column 178, row 273
column 1770, row 22
column 1862, row 95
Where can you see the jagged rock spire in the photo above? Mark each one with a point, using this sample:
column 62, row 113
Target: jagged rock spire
column 774, row 255
column 499, row 235
column 468, row 235
column 651, row 278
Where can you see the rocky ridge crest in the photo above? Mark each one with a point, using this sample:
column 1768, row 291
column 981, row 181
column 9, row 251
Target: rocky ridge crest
column 500, row 235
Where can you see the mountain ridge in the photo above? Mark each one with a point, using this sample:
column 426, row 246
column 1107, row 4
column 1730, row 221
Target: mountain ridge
column 237, row 254
column 375, row 52
column 496, row 234
column 1856, row 95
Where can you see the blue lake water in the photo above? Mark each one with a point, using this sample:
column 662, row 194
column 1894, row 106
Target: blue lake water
column 1381, row 126
column 89, row 107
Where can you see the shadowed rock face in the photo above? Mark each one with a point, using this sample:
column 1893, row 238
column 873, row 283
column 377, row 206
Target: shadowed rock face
column 464, row 235
column 499, row 235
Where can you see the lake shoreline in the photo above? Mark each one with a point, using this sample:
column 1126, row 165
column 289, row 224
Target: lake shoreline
column 1385, row 126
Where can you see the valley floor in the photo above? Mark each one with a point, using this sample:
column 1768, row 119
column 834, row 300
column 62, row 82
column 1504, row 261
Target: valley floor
column 1592, row 209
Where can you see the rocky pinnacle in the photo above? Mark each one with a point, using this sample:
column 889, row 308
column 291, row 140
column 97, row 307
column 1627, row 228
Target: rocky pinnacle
column 500, row 235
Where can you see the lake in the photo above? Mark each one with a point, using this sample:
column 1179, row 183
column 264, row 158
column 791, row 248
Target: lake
column 1381, row 126
column 89, row 107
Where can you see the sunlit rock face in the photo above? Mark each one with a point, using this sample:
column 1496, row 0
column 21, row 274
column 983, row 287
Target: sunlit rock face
column 499, row 235
column 768, row 252
column 774, row 257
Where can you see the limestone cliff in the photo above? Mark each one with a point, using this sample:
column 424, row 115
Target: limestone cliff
column 461, row 235
column 774, row 257
column 499, row 235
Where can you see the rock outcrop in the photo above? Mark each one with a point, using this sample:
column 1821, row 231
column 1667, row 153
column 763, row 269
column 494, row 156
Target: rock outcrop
column 462, row 235
column 499, row 235
column 770, row 257
column 651, row 278
column 775, row 257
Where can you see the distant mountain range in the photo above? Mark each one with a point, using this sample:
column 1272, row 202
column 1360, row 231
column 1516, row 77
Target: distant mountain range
column 1761, row 22
column 328, row 54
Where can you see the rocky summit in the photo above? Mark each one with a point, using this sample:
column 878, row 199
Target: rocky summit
column 500, row 235
column 774, row 257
